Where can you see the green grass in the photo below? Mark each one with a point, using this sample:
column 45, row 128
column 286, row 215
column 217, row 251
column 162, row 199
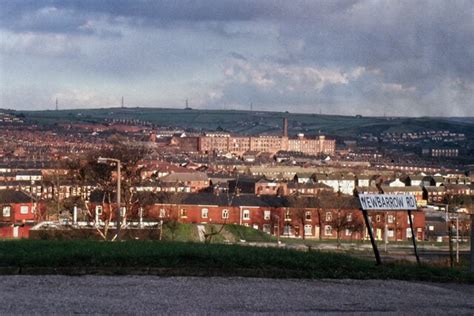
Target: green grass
column 175, row 231
column 172, row 258
column 248, row 234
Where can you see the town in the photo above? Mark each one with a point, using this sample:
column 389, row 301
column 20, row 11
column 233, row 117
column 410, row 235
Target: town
column 289, row 185
column 236, row 157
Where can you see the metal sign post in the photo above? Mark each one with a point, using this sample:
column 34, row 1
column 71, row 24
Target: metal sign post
column 371, row 235
column 388, row 202
column 413, row 237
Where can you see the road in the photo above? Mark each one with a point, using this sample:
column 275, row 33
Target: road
column 150, row 295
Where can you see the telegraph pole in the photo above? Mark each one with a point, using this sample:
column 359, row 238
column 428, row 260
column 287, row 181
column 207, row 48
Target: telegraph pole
column 472, row 243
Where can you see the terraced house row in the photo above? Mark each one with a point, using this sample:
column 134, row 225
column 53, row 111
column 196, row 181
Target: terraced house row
column 302, row 217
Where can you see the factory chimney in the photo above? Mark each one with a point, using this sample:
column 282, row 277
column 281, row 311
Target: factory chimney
column 285, row 127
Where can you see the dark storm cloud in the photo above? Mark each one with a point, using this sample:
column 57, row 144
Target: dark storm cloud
column 158, row 12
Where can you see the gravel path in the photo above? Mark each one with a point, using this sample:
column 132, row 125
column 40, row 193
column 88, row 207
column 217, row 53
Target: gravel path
column 151, row 295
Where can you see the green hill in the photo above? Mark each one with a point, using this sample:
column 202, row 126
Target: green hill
column 254, row 122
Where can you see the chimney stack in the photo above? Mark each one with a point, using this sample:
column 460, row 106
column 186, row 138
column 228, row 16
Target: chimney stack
column 285, row 127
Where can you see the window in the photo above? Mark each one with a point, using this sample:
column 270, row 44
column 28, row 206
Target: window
column 287, row 215
column 255, row 226
column 287, row 230
column 225, row 214
column 390, row 232
column 308, row 230
column 162, row 212
column 412, row 218
column 6, row 211
column 24, row 209
column 266, row 215
column 349, row 217
column 328, row 230
column 391, row 219
column 328, row 216
column 377, row 218
column 307, row 215
column 348, row 232
column 183, row 212
column 409, row 235
column 267, row 228
column 246, row 214
column 204, row 212
column 98, row 209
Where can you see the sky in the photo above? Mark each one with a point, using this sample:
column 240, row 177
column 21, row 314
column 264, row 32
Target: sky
column 394, row 57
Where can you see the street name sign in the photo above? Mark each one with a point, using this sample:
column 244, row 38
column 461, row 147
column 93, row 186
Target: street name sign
column 387, row 202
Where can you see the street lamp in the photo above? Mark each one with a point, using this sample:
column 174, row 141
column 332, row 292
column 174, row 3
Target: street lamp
column 119, row 177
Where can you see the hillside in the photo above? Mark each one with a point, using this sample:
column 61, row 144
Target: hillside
column 254, row 122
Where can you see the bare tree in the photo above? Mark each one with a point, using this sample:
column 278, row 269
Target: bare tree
column 356, row 226
column 298, row 207
column 303, row 208
column 171, row 204
column 105, row 178
column 341, row 206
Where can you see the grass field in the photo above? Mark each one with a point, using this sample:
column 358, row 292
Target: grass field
column 173, row 258
column 248, row 234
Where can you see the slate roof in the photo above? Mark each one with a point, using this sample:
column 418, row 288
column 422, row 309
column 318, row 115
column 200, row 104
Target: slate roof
column 222, row 199
column 185, row 176
column 13, row 196
column 387, row 189
column 309, row 185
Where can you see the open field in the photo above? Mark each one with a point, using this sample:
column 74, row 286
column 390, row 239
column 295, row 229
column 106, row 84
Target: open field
column 192, row 259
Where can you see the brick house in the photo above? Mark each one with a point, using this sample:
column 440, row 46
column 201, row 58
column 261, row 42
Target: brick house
column 271, row 187
column 271, row 214
column 18, row 213
column 195, row 181
column 309, row 188
column 434, row 194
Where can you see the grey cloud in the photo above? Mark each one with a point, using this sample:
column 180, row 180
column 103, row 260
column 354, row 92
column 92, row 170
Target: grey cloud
column 417, row 54
column 161, row 13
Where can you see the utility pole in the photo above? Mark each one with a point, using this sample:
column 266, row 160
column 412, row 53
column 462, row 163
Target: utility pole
column 123, row 106
column 450, row 236
column 57, row 108
column 385, row 237
column 278, row 229
column 457, row 238
column 472, row 243
column 58, row 188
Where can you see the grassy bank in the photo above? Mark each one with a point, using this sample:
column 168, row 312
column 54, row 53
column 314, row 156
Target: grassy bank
column 166, row 258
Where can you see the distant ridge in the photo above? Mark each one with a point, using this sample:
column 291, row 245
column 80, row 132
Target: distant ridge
column 255, row 122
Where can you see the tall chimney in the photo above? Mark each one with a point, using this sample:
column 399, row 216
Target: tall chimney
column 285, row 127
